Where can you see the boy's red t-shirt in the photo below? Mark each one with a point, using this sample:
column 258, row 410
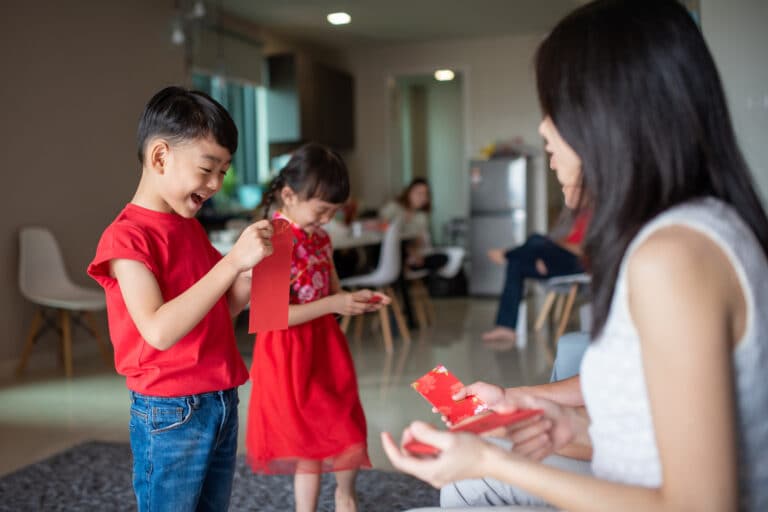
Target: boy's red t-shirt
column 177, row 251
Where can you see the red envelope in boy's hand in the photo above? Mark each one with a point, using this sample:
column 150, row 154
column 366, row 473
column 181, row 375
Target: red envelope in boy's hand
column 271, row 282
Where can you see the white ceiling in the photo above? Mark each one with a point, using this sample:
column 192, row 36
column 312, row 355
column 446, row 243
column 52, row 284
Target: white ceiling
column 380, row 22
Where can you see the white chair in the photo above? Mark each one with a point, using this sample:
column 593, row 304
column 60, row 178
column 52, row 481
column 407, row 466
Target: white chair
column 44, row 281
column 381, row 279
column 561, row 293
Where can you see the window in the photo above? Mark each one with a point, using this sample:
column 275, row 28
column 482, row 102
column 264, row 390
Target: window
column 246, row 104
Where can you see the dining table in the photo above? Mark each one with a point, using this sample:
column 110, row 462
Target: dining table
column 359, row 234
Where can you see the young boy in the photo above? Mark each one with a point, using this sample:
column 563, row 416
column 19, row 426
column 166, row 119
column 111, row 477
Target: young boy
column 170, row 298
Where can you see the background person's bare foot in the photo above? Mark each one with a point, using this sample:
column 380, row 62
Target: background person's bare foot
column 497, row 256
column 501, row 345
column 500, row 333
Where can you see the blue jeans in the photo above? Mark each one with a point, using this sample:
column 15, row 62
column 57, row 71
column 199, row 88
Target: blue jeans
column 570, row 351
column 521, row 264
column 184, row 451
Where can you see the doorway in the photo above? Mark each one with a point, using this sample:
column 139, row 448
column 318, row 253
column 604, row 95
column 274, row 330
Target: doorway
column 427, row 141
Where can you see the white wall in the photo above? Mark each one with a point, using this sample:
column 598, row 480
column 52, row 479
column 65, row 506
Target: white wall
column 499, row 101
column 737, row 34
column 445, row 163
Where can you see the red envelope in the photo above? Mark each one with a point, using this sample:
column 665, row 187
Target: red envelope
column 467, row 415
column 271, row 283
column 478, row 424
column 438, row 386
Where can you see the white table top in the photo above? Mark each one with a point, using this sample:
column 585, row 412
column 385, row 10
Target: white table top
column 340, row 238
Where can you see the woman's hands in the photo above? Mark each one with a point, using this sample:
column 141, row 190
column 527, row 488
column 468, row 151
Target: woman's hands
column 254, row 245
column 462, row 455
column 537, row 437
column 361, row 301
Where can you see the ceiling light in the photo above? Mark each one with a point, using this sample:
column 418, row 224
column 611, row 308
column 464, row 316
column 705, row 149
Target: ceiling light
column 339, row 18
column 444, row 75
column 177, row 34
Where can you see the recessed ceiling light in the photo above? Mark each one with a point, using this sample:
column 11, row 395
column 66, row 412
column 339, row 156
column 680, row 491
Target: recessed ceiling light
column 339, row 18
column 444, row 75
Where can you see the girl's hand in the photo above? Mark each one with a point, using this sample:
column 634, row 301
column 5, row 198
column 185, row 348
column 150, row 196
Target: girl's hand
column 462, row 455
column 361, row 301
column 253, row 246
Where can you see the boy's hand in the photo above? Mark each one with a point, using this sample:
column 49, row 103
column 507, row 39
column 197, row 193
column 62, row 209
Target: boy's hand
column 358, row 302
column 253, row 246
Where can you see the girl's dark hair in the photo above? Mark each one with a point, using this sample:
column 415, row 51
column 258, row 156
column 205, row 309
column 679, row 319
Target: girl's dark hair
column 314, row 171
column 179, row 114
column 633, row 89
column 405, row 199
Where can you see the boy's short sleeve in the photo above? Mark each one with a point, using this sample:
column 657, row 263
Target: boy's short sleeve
column 121, row 241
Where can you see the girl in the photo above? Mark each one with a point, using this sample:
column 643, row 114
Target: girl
column 674, row 380
column 304, row 414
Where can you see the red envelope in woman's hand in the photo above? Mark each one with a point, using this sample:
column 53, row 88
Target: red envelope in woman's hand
column 438, row 386
column 271, row 282
column 469, row 414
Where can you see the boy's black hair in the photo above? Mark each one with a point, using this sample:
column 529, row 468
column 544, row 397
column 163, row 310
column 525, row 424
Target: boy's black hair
column 314, row 171
column 178, row 114
column 632, row 88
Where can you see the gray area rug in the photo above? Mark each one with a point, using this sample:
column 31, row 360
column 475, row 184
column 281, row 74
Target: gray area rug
column 96, row 476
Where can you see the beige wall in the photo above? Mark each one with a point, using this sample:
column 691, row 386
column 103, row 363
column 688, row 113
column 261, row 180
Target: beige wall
column 499, row 103
column 76, row 76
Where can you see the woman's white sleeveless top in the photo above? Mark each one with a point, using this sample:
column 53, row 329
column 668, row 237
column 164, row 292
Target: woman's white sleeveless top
column 612, row 375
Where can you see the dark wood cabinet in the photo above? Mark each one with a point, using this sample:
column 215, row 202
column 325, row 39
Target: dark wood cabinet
column 309, row 101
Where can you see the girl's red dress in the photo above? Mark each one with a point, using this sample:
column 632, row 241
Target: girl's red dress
column 304, row 413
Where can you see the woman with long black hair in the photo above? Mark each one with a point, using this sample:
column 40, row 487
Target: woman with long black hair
column 635, row 119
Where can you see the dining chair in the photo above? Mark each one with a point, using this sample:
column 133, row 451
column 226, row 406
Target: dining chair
column 381, row 279
column 60, row 302
column 560, row 299
column 419, row 293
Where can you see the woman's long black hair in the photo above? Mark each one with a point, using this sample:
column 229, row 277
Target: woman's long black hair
column 314, row 171
column 632, row 87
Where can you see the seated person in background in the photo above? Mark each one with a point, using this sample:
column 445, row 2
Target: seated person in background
column 540, row 257
column 412, row 207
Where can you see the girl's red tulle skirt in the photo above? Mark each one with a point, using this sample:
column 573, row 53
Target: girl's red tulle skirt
column 304, row 413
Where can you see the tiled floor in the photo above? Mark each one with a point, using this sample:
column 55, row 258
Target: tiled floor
column 46, row 413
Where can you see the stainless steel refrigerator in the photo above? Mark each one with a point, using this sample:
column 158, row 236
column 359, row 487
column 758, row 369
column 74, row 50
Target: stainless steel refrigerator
column 498, row 217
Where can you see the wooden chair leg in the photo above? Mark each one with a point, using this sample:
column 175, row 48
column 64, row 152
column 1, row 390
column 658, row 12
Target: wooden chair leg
column 399, row 318
column 567, row 311
column 559, row 306
column 359, row 326
column 431, row 315
column 66, row 341
column 344, row 325
column 545, row 309
column 417, row 301
column 386, row 330
column 103, row 348
column 34, row 329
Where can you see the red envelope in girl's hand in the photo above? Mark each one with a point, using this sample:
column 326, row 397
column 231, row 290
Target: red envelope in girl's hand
column 438, row 386
column 271, row 282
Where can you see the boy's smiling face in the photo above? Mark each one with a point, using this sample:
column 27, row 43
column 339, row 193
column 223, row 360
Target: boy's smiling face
column 186, row 173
